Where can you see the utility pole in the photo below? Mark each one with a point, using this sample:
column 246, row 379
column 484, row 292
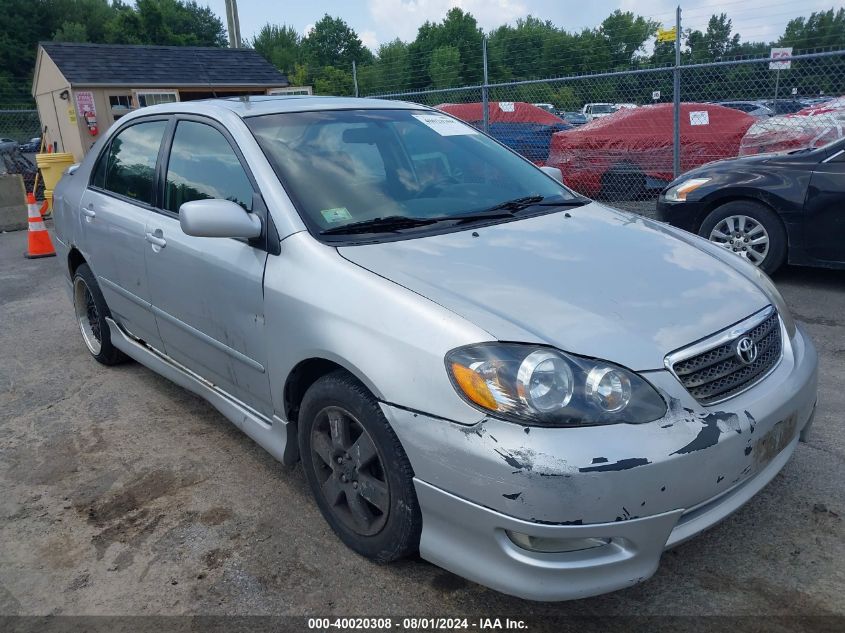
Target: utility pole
column 676, row 122
column 233, row 23
column 355, row 77
column 485, row 91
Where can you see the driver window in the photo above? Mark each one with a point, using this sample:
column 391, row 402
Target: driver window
column 203, row 165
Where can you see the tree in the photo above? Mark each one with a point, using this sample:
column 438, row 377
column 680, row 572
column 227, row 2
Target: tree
column 824, row 29
column 333, row 43
column 71, row 32
column 445, row 67
column 166, row 22
column 334, row 81
column 458, row 29
column 279, row 45
column 516, row 52
column 624, row 35
column 716, row 42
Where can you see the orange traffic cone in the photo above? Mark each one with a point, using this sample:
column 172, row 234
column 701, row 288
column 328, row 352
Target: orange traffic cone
column 40, row 244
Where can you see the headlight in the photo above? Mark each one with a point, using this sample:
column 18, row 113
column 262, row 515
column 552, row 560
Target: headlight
column 543, row 386
column 679, row 192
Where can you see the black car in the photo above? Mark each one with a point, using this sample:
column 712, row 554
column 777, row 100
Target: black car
column 769, row 208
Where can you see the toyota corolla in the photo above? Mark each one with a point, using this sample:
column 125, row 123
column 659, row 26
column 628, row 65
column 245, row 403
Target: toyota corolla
column 532, row 390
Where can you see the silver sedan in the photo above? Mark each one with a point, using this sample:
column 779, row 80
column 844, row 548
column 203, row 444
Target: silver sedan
column 534, row 391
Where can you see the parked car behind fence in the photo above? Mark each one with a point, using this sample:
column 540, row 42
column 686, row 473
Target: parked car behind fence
column 524, row 127
column 630, row 153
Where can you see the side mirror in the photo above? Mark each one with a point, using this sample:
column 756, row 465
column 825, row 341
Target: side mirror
column 218, row 218
column 554, row 172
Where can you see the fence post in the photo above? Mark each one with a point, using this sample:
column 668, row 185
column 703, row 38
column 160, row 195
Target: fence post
column 485, row 94
column 355, row 77
column 676, row 99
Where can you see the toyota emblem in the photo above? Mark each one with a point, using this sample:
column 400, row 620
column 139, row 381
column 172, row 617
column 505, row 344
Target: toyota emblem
column 746, row 350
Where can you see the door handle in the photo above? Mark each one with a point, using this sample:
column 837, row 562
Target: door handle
column 89, row 212
column 156, row 240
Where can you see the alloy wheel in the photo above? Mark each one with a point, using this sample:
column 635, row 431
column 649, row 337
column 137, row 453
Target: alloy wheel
column 87, row 316
column 350, row 471
column 742, row 235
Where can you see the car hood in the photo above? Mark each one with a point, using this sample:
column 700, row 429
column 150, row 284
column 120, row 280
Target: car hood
column 595, row 282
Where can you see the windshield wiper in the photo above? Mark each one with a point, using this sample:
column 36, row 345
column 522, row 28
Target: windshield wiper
column 385, row 224
column 393, row 223
column 508, row 208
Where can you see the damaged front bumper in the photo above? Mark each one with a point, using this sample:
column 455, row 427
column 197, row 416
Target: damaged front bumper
column 629, row 491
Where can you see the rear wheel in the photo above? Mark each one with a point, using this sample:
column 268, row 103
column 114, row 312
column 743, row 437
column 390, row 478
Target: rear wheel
column 357, row 470
column 750, row 230
column 91, row 312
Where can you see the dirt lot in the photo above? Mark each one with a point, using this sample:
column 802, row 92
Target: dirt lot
column 120, row 493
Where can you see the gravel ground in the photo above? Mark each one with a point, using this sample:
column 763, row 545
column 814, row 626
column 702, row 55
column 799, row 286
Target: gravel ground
column 121, row 493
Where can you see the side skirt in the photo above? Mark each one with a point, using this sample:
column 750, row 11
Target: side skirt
column 276, row 436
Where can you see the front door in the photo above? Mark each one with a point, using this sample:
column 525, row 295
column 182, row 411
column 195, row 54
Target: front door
column 116, row 207
column 824, row 211
column 207, row 293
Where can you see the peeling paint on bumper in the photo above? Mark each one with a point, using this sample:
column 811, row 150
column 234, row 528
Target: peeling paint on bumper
column 647, row 487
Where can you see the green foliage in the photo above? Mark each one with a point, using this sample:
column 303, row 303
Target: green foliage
column 459, row 30
column 825, row 29
column 444, row 68
column 71, row 32
column 443, row 54
column 333, row 43
column 334, row 81
column 715, row 43
column 166, row 22
column 27, row 22
column 280, row 45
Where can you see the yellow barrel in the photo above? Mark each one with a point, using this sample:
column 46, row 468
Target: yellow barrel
column 52, row 167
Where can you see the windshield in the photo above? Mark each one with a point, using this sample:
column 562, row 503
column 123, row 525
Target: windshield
column 603, row 108
column 344, row 167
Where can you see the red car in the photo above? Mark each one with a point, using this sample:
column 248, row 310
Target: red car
column 630, row 152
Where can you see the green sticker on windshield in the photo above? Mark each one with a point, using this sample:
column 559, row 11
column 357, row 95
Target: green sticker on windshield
column 336, row 215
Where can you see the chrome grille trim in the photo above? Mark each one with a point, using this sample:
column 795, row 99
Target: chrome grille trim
column 709, row 369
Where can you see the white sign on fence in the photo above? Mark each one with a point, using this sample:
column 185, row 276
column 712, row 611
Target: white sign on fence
column 779, row 53
column 655, row 95
column 506, row 106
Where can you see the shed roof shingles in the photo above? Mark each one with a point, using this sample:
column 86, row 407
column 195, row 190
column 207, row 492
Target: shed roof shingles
column 135, row 65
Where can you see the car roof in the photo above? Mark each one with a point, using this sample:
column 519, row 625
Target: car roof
column 249, row 106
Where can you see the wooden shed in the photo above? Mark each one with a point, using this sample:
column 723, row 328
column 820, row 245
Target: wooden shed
column 81, row 89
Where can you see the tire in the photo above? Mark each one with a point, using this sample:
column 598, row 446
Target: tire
column 91, row 311
column 758, row 233
column 623, row 182
column 357, row 470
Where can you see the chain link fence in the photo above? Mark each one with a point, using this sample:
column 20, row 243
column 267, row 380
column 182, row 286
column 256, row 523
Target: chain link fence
column 622, row 136
column 19, row 127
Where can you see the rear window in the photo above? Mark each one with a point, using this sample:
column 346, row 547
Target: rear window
column 131, row 161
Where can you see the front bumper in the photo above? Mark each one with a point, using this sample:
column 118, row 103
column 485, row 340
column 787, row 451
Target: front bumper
column 642, row 487
column 684, row 215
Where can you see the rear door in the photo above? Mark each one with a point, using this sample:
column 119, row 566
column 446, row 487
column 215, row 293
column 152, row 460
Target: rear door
column 207, row 293
column 116, row 207
column 824, row 217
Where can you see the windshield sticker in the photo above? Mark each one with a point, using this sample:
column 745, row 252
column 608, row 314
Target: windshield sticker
column 339, row 214
column 699, row 117
column 444, row 125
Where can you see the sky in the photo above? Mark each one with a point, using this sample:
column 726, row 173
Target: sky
column 378, row 21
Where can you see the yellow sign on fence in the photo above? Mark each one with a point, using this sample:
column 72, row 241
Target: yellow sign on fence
column 666, row 35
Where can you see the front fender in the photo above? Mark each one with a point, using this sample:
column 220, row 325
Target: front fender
column 320, row 305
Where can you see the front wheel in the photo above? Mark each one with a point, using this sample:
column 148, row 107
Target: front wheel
column 357, row 470
column 750, row 230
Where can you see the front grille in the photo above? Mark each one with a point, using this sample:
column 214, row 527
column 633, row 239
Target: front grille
column 718, row 374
